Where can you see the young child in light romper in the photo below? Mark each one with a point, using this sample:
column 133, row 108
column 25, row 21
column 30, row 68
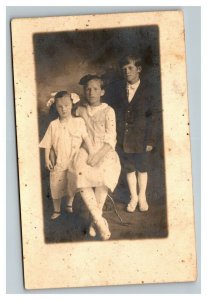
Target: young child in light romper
column 99, row 171
column 64, row 137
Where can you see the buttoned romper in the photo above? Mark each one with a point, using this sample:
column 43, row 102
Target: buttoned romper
column 65, row 138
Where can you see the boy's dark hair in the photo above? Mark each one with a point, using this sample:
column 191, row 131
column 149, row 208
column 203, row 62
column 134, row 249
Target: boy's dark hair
column 85, row 79
column 127, row 59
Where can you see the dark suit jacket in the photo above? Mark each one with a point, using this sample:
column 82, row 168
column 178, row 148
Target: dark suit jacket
column 135, row 128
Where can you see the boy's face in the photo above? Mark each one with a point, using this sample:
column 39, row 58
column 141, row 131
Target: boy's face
column 63, row 106
column 131, row 72
column 93, row 92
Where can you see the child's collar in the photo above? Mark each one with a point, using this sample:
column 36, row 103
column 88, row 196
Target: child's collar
column 94, row 109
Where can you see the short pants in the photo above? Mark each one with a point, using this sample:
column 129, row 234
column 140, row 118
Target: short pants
column 132, row 162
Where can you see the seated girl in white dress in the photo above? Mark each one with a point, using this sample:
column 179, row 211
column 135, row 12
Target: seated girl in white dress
column 98, row 171
column 64, row 137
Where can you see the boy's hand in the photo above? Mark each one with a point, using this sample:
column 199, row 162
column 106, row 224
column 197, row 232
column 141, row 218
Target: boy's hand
column 48, row 165
column 149, row 148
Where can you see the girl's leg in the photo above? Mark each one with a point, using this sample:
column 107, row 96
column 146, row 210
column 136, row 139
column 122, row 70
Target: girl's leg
column 56, row 206
column 70, row 198
column 90, row 201
column 69, row 204
column 70, row 192
column 132, row 184
column 57, row 185
column 142, row 182
column 101, row 194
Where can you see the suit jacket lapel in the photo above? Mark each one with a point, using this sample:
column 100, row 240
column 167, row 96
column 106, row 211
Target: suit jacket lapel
column 135, row 99
column 125, row 101
column 137, row 94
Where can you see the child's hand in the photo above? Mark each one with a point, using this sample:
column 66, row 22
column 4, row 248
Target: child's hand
column 149, row 148
column 90, row 158
column 94, row 159
column 48, row 165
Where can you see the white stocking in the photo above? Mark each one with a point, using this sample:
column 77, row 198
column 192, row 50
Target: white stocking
column 56, row 204
column 90, row 201
column 132, row 184
column 101, row 194
column 142, row 182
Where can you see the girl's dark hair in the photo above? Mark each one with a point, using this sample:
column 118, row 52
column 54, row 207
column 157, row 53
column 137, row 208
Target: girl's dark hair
column 61, row 94
column 85, row 79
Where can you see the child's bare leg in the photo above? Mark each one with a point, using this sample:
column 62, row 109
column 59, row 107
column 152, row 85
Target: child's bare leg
column 142, row 181
column 90, row 201
column 56, row 206
column 132, row 184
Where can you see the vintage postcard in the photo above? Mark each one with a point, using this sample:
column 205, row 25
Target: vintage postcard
column 104, row 156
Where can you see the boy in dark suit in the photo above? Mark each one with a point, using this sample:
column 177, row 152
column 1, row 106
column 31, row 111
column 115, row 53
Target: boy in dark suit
column 134, row 129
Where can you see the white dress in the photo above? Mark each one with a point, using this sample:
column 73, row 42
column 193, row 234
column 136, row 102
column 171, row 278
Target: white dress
column 101, row 127
column 65, row 138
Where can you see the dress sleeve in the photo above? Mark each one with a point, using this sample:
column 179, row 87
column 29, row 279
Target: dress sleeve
column 110, row 134
column 83, row 129
column 46, row 142
column 77, row 111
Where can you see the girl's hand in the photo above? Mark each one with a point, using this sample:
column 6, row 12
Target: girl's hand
column 90, row 156
column 49, row 165
column 93, row 159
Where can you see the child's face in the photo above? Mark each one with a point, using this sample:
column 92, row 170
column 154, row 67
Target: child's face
column 131, row 72
column 93, row 92
column 63, row 106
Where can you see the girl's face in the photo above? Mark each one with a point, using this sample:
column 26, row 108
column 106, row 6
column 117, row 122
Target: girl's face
column 93, row 92
column 64, row 106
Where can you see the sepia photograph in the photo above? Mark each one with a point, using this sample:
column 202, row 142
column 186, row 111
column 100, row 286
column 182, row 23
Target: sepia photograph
column 111, row 79
column 103, row 149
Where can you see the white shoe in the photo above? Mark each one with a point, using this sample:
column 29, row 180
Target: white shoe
column 92, row 231
column 143, row 205
column 132, row 205
column 55, row 215
column 103, row 228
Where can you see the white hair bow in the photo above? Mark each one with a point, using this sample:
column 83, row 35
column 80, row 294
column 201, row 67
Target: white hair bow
column 74, row 98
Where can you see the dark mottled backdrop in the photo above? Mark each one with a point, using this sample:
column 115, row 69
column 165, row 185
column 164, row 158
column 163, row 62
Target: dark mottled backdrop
column 61, row 59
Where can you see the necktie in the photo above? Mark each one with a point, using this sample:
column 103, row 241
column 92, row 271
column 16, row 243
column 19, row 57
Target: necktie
column 130, row 92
